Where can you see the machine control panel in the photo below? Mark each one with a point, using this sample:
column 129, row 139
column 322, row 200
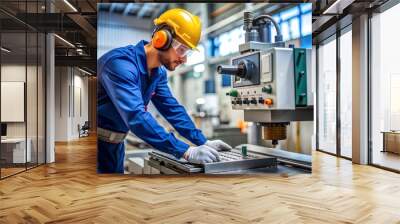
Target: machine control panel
column 273, row 79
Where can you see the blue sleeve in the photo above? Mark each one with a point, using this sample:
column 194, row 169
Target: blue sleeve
column 175, row 113
column 121, row 85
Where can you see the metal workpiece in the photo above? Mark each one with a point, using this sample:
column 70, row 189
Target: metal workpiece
column 229, row 161
column 234, row 160
column 300, row 160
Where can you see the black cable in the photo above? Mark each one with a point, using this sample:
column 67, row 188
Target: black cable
column 278, row 36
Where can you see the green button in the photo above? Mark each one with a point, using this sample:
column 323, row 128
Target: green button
column 234, row 93
column 267, row 89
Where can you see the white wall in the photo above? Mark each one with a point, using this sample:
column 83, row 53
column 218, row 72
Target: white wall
column 71, row 94
column 80, row 103
column 117, row 31
column 13, row 73
column 33, row 126
column 61, row 103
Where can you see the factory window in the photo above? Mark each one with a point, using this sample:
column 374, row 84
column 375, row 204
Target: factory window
column 228, row 42
column 306, row 8
column 294, row 28
column 285, row 30
column 306, row 26
column 327, row 96
column 295, row 23
column 385, row 89
column 290, row 13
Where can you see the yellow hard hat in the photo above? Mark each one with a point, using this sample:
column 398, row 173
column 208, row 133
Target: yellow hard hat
column 186, row 26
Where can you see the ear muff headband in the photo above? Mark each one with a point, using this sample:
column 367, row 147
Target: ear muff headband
column 162, row 38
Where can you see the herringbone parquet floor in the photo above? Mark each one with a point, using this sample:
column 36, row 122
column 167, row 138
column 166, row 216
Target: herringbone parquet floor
column 70, row 191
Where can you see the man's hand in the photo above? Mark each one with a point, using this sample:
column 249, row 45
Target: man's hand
column 201, row 154
column 218, row 145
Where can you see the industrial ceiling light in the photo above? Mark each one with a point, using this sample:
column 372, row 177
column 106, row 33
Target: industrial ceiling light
column 84, row 71
column 65, row 41
column 200, row 101
column 80, row 51
column 5, row 49
column 70, row 5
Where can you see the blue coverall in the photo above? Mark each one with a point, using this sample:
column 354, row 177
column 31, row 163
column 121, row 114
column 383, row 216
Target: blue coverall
column 124, row 90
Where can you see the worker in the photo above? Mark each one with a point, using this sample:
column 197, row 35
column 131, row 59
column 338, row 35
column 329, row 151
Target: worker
column 132, row 76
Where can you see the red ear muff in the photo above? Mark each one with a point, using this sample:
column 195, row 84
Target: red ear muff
column 162, row 39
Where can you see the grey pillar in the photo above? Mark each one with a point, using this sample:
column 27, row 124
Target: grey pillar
column 360, row 90
column 50, row 91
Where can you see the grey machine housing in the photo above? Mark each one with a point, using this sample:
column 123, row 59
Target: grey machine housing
column 272, row 68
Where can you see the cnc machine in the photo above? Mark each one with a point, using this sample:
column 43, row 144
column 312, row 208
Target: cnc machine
column 272, row 85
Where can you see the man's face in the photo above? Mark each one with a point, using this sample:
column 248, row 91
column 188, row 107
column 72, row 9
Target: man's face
column 170, row 59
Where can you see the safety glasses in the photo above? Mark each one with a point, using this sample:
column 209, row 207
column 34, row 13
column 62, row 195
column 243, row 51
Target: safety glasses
column 181, row 49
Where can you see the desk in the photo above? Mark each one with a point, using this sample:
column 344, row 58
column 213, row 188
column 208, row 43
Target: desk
column 13, row 150
column 391, row 141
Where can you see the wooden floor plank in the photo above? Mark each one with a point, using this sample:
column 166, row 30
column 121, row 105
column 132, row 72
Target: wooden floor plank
column 70, row 191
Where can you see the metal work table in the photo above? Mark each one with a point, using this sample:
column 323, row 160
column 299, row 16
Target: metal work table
column 232, row 163
column 260, row 160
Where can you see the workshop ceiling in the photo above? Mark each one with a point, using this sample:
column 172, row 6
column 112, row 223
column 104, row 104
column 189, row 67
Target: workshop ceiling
column 138, row 10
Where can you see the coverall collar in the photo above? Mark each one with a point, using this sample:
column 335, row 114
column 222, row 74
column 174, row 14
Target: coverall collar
column 142, row 59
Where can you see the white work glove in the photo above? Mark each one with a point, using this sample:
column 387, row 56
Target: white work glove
column 201, row 154
column 218, row 145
